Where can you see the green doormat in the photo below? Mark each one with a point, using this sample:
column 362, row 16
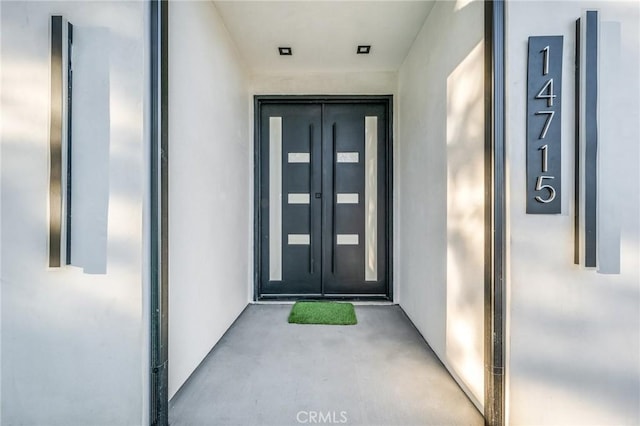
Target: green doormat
column 331, row 313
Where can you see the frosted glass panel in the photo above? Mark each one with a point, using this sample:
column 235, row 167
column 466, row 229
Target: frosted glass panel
column 347, row 239
column 371, row 198
column 298, row 157
column 299, row 239
column 275, row 198
column 298, row 198
column 348, row 157
column 347, row 198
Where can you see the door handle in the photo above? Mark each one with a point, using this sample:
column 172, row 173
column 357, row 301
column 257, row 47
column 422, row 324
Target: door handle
column 334, row 159
column 318, row 194
column 311, row 217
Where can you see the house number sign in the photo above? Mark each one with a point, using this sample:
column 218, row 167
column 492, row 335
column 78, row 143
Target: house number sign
column 544, row 102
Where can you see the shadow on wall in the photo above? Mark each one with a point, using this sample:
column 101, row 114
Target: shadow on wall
column 556, row 346
column 90, row 157
column 611, row 154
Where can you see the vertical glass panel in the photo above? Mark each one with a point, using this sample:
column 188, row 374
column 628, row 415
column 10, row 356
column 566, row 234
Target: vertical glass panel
column 348, row 157
column 347, row 198
column 298, row 198
column 275, row 198
column 298, row 157
column 371, row 198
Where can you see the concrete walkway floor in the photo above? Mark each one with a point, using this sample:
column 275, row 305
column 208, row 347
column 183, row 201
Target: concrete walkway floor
column 265, row 371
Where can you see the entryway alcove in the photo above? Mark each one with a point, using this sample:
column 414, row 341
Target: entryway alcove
column 426, row 61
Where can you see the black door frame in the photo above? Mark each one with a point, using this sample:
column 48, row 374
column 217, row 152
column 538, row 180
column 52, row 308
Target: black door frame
column 495, row 213
column 259, row 101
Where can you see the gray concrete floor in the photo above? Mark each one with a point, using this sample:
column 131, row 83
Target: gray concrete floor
column 265, row 371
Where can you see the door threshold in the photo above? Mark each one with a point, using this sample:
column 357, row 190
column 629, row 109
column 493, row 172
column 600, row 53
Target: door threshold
column 354, row 302
column 353, row 298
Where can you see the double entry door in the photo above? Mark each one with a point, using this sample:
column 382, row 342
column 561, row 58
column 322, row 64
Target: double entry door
column 323, row 198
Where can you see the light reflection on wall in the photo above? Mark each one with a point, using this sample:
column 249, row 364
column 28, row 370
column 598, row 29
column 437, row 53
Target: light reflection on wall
column 465, row 219
column 24, row 107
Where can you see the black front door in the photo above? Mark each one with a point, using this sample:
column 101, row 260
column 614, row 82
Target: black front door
column 323, row 212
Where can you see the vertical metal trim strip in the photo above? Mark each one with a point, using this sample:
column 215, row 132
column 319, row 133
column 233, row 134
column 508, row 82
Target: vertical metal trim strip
column 69, row 142
column 257, row 197
column 334, row 160
column 323, row 200
column 164, row 204
column 495, row 213
column 311, row 198
column 577, row 131
column 591, row 139
column 55, row 145
column 389, row 224
column 159, row 214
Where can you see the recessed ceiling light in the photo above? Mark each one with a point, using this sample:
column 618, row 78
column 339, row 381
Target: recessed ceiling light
column 285, row 51
column 364, row 49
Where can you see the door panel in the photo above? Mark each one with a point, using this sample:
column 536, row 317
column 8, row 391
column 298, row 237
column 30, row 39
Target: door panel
column 323, row 199
column 299, row 251
column 345, row 229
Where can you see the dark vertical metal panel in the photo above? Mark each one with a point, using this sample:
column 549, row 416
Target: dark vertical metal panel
column 55, row 145
column 164, row 174
column 389, row 197
column 495, row 212
column 257, row 217
column 577, row 133
column 69, row 140
column 159, row 398
column 591, row 138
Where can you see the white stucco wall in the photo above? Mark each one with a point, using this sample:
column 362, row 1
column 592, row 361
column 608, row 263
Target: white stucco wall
column 210, row 156
column 74, row 345
column 574, row 332
column 327, row 83
column 441, row 188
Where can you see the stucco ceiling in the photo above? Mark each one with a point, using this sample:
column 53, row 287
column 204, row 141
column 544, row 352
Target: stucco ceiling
column 324, row 35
